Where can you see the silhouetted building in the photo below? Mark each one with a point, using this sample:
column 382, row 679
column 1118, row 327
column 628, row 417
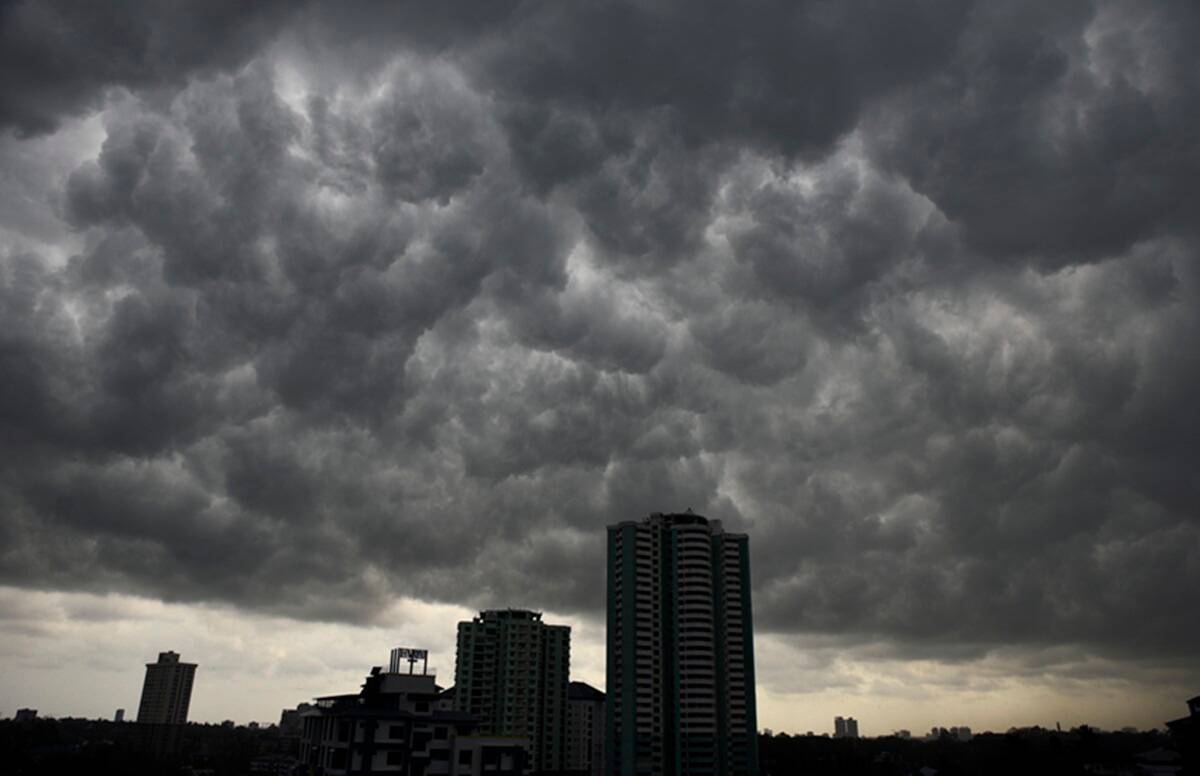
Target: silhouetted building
column 680, row 649
column 163, row 710
column 274, row 765
column 25, row 715
column 119, row 716
column 167, row 691
column 1185, row 731
column 511, row 670
column 291, row 721
column 846, row 727
column 585, row 730
column 401, row 724
column 1190, row 721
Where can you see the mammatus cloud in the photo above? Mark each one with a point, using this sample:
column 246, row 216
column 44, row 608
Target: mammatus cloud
column 355, row 305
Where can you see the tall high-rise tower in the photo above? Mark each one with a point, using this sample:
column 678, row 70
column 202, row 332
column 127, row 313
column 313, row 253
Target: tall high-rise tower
column 680, row 649
column 167, row 691
column 511, row 669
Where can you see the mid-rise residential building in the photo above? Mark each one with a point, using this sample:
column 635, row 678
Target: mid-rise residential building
column 402, row 724
column 167, row 691
column 680, row 682
column 585, row 730
column 512, row 671
column 846, row 727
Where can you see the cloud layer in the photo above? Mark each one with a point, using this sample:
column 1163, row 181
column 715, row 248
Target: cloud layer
column 340, row 306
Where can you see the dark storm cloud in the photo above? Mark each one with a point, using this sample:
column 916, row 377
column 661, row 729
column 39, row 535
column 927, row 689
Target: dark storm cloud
column 1052, row 145
column 57, row 58
column 378, row 302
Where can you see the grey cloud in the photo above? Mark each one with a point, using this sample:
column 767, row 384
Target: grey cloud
column 58, row 58
column 1061, row 132
column 368, row 303
column 827, row 248
column 720, row 73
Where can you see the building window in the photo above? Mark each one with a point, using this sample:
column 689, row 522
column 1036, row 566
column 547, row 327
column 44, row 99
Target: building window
column 465, row 757
column 439, row 733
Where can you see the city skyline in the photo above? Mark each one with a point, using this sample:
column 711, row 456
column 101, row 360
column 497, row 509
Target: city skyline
column 358, row 648
column 324, row 326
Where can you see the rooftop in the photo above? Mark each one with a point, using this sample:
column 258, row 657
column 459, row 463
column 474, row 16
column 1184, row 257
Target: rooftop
column 508, row 614
column 582, row 691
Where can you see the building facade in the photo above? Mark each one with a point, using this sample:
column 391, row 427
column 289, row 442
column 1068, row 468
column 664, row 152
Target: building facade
column 511, row 670
column 401, row 724
column 585, row 730
column 680, row 676
column 167, row 691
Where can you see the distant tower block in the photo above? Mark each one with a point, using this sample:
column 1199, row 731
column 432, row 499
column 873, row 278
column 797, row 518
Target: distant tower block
column 119, row 716
column 167, row 691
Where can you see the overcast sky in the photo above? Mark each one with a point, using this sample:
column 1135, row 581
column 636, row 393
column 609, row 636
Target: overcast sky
column 322, row 327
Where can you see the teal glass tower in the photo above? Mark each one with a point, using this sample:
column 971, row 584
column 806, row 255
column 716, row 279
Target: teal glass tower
column 680, row 649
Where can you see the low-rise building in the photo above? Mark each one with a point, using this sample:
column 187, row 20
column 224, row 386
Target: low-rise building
column 402, row 724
